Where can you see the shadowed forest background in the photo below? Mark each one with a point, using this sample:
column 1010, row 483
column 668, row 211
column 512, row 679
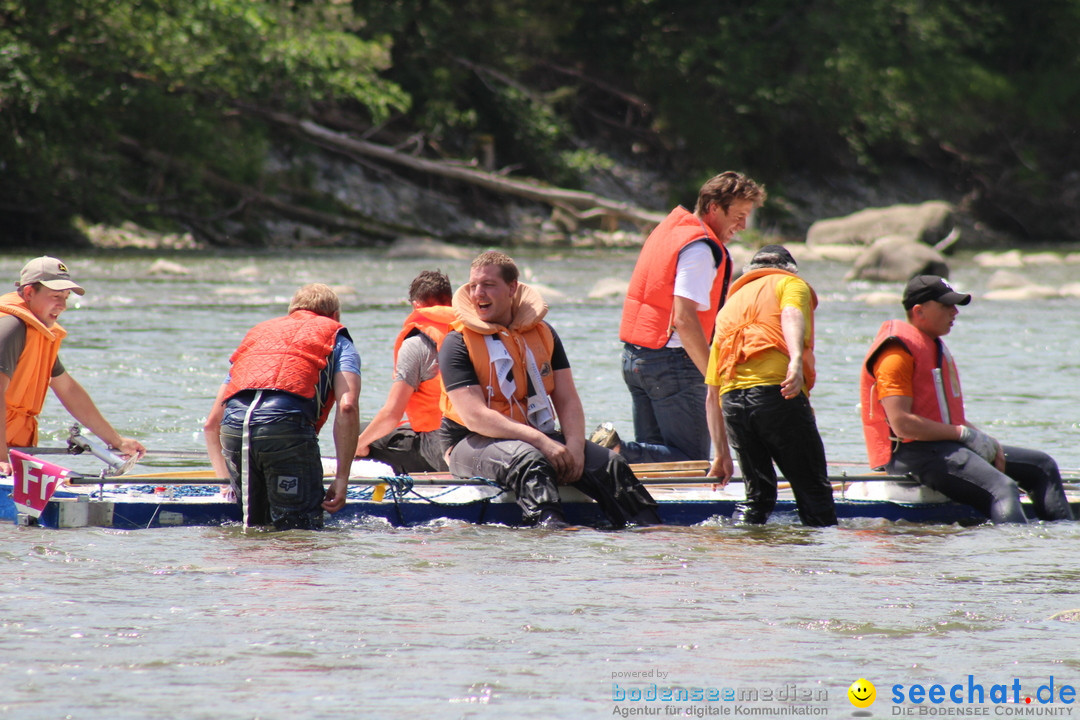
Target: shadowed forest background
column 222, row 118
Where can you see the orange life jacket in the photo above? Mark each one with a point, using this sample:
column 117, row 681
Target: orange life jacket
column 935, row 384
column 527, row 329
column 650, row 300
column 423, row 408
column 286, row 354
column 30, row 382
column 749, row 324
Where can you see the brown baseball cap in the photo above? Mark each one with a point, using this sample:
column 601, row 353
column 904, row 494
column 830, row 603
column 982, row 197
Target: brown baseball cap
column 51, row 273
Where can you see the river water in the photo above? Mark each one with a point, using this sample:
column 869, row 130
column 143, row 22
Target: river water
column 457, row 621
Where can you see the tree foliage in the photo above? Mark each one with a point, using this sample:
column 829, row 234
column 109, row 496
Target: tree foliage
column 985, row 91
column 77, row 76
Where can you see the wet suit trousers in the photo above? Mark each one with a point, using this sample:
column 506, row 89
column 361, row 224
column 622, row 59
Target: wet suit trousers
column 521, row 468
column 961, row 475
column 408, row 451
column 763, row 428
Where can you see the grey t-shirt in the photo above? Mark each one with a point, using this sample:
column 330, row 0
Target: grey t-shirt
column 417, row 360
column 12, row 344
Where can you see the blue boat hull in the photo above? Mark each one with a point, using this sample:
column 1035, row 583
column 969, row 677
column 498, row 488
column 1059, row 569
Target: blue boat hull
column 76, row 510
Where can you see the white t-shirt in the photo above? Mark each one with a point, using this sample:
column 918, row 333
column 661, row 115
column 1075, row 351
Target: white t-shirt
column 694, row 277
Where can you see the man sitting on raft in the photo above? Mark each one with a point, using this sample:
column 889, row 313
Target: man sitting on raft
column 914, row 423
column 507, row 382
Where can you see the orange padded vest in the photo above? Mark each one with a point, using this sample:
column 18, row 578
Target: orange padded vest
column 650, row 299
column 539, row 339
column 30, row 382
column 423, row 408
column 286, row 354
column 936, row 385
column 749, row 323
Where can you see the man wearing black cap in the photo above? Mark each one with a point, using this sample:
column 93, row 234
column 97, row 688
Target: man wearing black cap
column 914, row 423
column 760, row 372
column 29, row 344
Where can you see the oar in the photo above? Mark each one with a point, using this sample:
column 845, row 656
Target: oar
column 170, row 479
column 174, row 473
column 686, row 467
column 150, row 454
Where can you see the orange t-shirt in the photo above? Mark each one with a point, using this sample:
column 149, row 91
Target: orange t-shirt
column 894, row 372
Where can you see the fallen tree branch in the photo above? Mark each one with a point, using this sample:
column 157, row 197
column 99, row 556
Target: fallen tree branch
column 581, row 204
column 253, row 196
column 579, row 201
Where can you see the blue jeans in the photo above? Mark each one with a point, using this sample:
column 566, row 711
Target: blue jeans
column 668, row 393
column 764, row 427
column 961, row 475
column 286, row 473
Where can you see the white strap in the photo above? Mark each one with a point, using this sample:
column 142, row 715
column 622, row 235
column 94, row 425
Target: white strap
column 942, row 401
column 502, row 366
column 245, row 459
column 541, row 411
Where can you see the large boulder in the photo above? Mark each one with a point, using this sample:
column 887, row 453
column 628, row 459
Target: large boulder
column 927, row 222
column 896, row 258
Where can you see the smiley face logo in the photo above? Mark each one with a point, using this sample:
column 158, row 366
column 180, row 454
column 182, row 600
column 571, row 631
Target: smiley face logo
column 862, row 693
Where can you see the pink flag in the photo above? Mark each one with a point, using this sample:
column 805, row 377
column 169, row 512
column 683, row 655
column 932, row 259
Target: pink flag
column 35, row 482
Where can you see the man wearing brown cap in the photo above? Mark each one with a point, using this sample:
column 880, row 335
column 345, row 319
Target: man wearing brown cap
column 914, row 423
column 29, row 345
column 760, row 372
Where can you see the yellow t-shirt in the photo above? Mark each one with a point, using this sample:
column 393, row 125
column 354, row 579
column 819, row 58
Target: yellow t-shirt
column 770, row 367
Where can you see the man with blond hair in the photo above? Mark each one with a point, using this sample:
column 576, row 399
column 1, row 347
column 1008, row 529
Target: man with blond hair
column 262, row 431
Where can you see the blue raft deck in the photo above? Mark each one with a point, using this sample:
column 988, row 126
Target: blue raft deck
column 149, row 501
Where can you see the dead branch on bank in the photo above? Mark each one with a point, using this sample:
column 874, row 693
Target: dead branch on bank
column 250, row 196
column 578, row 204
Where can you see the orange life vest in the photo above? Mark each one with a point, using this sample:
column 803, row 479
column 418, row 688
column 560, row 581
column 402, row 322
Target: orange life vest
column 423, row 408
column 542, row 343
column 648, row 309
column 749, row 324
column 935, row 384
column 30, row 382
column 286, row 354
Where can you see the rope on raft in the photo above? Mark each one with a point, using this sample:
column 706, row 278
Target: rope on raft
column 174, row 491
column 401, row 486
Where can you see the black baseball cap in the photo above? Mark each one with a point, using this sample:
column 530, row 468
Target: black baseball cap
column 923, row 288
column 773, row 255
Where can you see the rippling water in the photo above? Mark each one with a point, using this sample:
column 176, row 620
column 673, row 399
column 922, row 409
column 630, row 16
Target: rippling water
column 455, row 621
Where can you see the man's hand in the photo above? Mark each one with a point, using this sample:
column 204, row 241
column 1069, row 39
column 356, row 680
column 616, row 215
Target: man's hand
column 793, row 381
column 335, row 496
column 722, row 468
column 129, row 446
column 982, row 445
column 568, row 464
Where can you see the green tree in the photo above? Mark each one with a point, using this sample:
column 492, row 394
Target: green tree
column 81, row 80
